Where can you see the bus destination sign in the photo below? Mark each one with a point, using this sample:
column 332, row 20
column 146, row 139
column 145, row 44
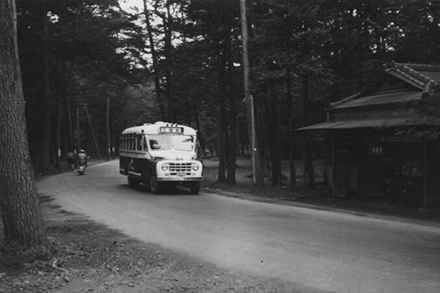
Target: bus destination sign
column 170, row 129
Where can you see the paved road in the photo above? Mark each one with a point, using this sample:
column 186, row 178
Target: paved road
column 326, row 250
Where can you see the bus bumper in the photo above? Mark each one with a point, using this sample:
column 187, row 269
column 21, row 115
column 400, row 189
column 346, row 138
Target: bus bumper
column 177, row 179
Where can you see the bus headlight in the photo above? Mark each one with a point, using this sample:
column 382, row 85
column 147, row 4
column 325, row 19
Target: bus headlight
column 195, row 167
column 165, row 167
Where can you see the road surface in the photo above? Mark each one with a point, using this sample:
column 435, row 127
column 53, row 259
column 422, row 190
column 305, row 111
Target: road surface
column 326, row 250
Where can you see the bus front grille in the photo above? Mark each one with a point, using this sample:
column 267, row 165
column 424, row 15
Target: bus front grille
column 179, row 168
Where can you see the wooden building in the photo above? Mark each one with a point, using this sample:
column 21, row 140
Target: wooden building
column 372, row 155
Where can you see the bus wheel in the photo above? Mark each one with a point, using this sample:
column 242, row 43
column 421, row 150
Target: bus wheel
column 195, row 187
column 155, row 186
column 133, row 182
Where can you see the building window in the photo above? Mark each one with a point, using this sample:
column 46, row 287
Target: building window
column 375, row 150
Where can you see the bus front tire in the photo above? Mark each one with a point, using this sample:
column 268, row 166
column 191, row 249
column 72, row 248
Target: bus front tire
column 133, row 182
column 155, row 186
column 195, row 187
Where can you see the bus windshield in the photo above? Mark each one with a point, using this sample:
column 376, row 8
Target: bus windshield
column 167, row 141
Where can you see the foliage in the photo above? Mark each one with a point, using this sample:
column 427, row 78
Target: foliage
column 138, row 105
column 87, row 65
column 338, row 46
column 417, row 26
column 427, row 114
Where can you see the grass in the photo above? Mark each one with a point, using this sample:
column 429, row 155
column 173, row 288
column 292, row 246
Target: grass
column 244, row 184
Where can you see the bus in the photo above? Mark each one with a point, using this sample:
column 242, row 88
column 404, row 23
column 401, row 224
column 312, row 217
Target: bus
column 160, row 155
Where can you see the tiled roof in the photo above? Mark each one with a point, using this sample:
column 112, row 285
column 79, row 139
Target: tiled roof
column 365, row 123
column 421, row 67
column 346, row 100
column 381, row 99
column 420, row 75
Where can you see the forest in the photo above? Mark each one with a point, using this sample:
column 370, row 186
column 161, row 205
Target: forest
column 91, row 69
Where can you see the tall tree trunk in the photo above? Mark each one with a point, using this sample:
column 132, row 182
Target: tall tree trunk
column 274, row 145
column 154, row 60
column 309, row 174
column 168, row 31
column 19, row 205
column 61, row 128
column 58, row 131
column 221, row 141
column 78, row 129
column 259, row 168
column 232, row 133
column 71, row 137
column 232, row 145
column 114, row 134
column 107, row 127
column 291, row 135
column 47, row 125
column 92, row 130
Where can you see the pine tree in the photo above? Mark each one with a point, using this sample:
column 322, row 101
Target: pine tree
column 19, row 204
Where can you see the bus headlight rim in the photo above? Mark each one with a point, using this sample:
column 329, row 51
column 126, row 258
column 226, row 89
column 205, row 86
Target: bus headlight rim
column 165, row 167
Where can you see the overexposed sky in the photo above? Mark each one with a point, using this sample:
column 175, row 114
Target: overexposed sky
column 126, row 4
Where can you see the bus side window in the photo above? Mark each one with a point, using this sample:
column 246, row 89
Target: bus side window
column 139, row 141
column 145, row 143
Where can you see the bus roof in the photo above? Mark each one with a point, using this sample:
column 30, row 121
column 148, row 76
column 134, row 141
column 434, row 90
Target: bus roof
column 161, row 127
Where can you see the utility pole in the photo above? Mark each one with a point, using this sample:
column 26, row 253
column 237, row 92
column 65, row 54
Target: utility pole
column 257, row 176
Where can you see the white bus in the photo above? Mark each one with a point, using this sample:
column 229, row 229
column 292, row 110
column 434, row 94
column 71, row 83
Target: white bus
column 160, row 154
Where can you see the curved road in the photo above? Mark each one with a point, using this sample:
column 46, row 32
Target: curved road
column 325, row 250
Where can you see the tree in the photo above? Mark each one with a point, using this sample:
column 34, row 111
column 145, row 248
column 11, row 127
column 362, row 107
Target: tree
column 81, row 55
column 214, row 26
column 416, row 28
column 154, row 59
column 19, row 205
column 87, row 51
column 287, row 69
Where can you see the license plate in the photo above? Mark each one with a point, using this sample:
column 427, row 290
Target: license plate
column 181, row 174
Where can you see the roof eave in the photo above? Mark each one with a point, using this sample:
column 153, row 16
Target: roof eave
column 406, row 78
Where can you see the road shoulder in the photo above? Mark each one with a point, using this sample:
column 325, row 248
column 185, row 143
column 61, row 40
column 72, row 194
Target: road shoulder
column 93, row 258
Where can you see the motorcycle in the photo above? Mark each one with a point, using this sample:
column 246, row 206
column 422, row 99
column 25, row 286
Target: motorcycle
column 81, row 167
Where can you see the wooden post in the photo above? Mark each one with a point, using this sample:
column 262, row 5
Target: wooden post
column 257, row 175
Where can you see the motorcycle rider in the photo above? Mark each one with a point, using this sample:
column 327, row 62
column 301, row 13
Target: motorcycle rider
column 82, row 157
column 71, row 160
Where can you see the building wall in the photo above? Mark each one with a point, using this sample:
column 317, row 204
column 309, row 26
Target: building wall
column 433, row 173
column 366, row 166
